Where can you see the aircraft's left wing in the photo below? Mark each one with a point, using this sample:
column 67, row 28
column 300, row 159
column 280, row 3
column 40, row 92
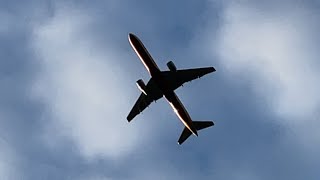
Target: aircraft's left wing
column 145, row 100
column 179, row 77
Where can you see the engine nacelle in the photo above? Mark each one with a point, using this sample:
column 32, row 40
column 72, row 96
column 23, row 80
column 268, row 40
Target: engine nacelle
column 171, row 66
column 142, row 86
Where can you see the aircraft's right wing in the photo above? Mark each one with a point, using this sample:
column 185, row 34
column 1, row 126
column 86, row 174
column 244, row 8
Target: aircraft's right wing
column 145, row 100
column 178, row 78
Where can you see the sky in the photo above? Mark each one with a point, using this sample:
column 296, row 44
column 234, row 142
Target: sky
column 68, row 74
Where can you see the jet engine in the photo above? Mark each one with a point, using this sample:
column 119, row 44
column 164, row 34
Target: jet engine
column 171, row 66
column 142, row 86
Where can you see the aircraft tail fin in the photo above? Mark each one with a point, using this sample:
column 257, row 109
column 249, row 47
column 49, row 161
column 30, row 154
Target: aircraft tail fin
column 198, row 125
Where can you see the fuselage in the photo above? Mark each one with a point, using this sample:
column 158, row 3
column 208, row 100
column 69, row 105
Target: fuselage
column 155, row 73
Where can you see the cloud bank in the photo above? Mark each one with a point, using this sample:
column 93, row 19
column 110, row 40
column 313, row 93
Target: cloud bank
column 82, row 84
column 273, row 48
column 9, row 162
column 62, row 87
column 278, row 46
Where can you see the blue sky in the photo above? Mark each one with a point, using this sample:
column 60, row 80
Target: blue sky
column 68, row 73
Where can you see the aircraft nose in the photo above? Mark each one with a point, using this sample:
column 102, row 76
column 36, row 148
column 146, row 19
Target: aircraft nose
column 131, row 36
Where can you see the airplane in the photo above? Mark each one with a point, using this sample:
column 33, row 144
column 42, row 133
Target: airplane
column 164, row 83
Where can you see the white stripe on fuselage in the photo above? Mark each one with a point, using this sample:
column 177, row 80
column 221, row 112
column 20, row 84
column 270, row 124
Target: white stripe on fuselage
column 182, row 108
column 145, row 65
column 146, row 51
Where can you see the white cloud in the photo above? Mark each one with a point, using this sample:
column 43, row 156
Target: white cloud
column 83, row 86
column 275, row 50
column 275, row 47
column 9, row 160
column 6, row 163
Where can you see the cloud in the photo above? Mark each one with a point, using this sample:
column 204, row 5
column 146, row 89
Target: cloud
column 7, row 170
column 82, row 85
column 79, row 72
column 82, row 81
column 9, row 160
column 277, row 48
column 6, row 22
column 273, row 49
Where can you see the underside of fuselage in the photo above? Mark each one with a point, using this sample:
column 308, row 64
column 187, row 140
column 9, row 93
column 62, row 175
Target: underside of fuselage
column 180, row 111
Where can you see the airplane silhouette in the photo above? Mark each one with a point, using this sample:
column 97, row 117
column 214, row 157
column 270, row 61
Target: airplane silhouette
column 163, row 83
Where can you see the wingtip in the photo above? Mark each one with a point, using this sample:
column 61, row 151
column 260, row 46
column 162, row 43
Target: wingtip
column 128, row 119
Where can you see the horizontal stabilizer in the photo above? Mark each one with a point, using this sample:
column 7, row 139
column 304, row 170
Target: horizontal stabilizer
column 202, row 124
column 184, row 135
column 198, row 125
